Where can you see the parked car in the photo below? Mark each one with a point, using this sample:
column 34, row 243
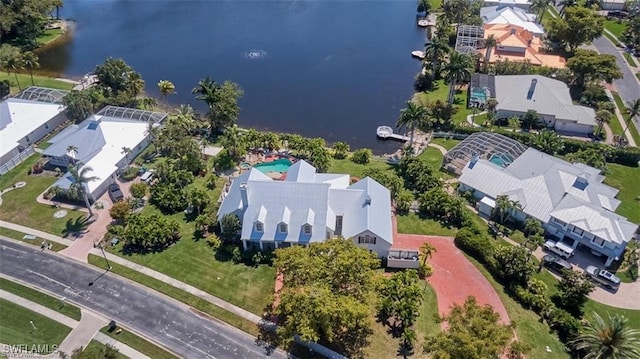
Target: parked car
column 558, row 248
column 603, row 277
column 617, row 14
column 115, row 193
column 555, row 262
column 147, row 176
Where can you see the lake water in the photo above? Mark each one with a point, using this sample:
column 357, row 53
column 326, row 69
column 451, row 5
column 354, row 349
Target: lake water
column 333, row 69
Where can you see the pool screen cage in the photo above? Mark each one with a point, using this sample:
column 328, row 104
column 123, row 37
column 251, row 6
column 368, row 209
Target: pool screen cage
column 132, row 114
column 484, row 145
column 469, row 39
column 42, row 94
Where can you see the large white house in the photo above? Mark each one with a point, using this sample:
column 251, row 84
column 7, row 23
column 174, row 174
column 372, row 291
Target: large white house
column 26, row 119
column 309, row 207
column 512, row 16
column 100, row 141
column 569, row 199
column 517, row 94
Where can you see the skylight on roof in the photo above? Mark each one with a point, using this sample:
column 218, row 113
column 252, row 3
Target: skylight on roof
column 93, row 125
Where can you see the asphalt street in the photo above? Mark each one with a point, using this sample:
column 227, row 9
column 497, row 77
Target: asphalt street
column 158, row 317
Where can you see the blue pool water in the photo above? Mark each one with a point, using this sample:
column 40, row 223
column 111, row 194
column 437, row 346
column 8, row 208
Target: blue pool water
column 280, row 165
column 501, row 159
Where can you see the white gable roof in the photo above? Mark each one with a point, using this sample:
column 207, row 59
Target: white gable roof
column 511, row 15
column 18, row 118
column 541, row 182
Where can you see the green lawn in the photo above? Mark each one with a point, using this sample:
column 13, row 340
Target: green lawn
column 630, row 59
column 97, row 347
column 20, row 206
column 49, row 36
column 616, row 27
column 440, row 92
column 434, row 158
column 413, row 224
column 447, row 143
column 622, row 107
column 625, row 179
column 178, row 294
column 25, row 81
column 36, row 242
column 527, row 325
column 45, row 300
column 354, row 169
column 143, row 346
column 15, row 327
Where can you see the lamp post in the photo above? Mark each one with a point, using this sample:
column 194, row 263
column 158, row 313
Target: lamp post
column 105, row 258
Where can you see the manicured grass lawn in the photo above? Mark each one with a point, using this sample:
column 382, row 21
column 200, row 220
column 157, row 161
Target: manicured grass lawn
column 440, row 92
column 354, row 169
column 36, row 242
column 413, row 224
column 45, row 300
column 139, row 344
column 25, row 81
column 178, row 294
column 446, row 143
column 622, row 107
column 625, row 179
column 530, row 330
column 49, row 36
column 99, row 347
column 20, row 206
column 615, row 27
column 434, row 157
column 15, row 327
column 630, row 59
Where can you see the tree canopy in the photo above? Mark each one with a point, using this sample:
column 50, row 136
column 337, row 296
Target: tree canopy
column 578, row 27
column 146, row 232
column 22, row 21
column 321, row 281
column 589, row 65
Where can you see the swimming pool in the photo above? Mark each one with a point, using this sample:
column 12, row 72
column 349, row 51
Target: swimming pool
column 501, row 159
column 479, row 96
column 279, row 165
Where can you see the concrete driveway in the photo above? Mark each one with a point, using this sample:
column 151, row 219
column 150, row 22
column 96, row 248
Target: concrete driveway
column 155, row 316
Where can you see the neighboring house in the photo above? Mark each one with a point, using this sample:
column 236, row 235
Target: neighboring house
column 613, row 4
column 309, row 207
column 100, row 140
column 569, row 199
column 521, row 4
column 515, row 43
column 516, row 94
column 26, row 119
column 508, row 15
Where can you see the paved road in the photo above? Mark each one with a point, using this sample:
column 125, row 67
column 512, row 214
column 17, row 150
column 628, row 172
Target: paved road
column 628, row 86
column 158, row 317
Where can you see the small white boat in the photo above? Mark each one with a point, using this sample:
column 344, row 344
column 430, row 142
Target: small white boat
column 419, row 54
column 384, row 131
column 424, row 23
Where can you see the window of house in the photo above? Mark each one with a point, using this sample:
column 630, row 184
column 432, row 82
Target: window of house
column 559, row 222
column 46, row 126
column 283, row 228
column 366, row 240
column 259, row 227
column 598, row 241
column 307, row 229
column 26, row 138
column 577, row 231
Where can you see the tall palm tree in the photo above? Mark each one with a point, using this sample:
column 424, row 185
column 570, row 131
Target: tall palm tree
column 79, row 173
column 435, row 52
column 490, row 42
column 506, row 206
column 152, row 133
column 426, row 251
column 539, row 7
column 126, row 151
column 14, row 63
column 411, row 117
column 206, row 91
column 608, row 339
column 565, row 4
column 72, row 151
column 166, row 88
column 58, row 4
column 30, row 62
column 602, row 117
column 233, row 142
column 633, row 110
column 457, row 70
column 135, row 84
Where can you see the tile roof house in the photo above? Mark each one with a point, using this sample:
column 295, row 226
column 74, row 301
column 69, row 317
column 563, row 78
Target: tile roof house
column 309, row 207
column 100, row 140
column 511, row 16
column 516, row 43
column 569, row 199
column 26, row 119
column 550, row 98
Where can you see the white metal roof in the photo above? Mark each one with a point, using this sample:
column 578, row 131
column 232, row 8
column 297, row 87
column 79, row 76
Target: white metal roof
column 513, row 16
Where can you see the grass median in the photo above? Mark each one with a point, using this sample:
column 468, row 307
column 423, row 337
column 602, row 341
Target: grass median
column 178, row 294
column 623, row 109
column 20, row 236
column 135, row 342
column 43, row 299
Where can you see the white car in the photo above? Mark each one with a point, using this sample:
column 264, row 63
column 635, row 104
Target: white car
column 558, row 248
column 603, row 277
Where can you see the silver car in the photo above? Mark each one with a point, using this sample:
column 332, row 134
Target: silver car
column 603, row 277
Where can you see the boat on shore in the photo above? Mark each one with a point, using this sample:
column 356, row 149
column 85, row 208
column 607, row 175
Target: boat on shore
column 418, row 54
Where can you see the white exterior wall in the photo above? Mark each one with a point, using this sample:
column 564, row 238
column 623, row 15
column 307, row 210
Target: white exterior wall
column 568, row 126
column 381, row 247
column 612, row 5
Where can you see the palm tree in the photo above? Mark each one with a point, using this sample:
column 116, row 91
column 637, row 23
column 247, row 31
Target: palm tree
column 565, row 4
column 135, row 84
column 426, row 251
column 458, row 69
column 602, row 117
column 633, row 110
column 126, row 151
column 539, row 7
column 14, row 63
column 548, row 141
column 491, row 105
column 72, row 151
column 152, row 132
column 610, row 339
column 206, row 91
column 436, row 51
column 166, row 88
column 490, row 42
column 411, row 117
column 58, row 4
column 30, row 61
column 80, row 180
column 506, row 206
column 233, row 142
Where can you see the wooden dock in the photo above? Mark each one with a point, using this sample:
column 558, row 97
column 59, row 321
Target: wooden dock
column 386, row 132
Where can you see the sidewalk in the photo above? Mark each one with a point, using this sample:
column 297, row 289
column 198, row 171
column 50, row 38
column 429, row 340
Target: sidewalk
column 83, row 332
column 621, row 120
column 144, row 270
